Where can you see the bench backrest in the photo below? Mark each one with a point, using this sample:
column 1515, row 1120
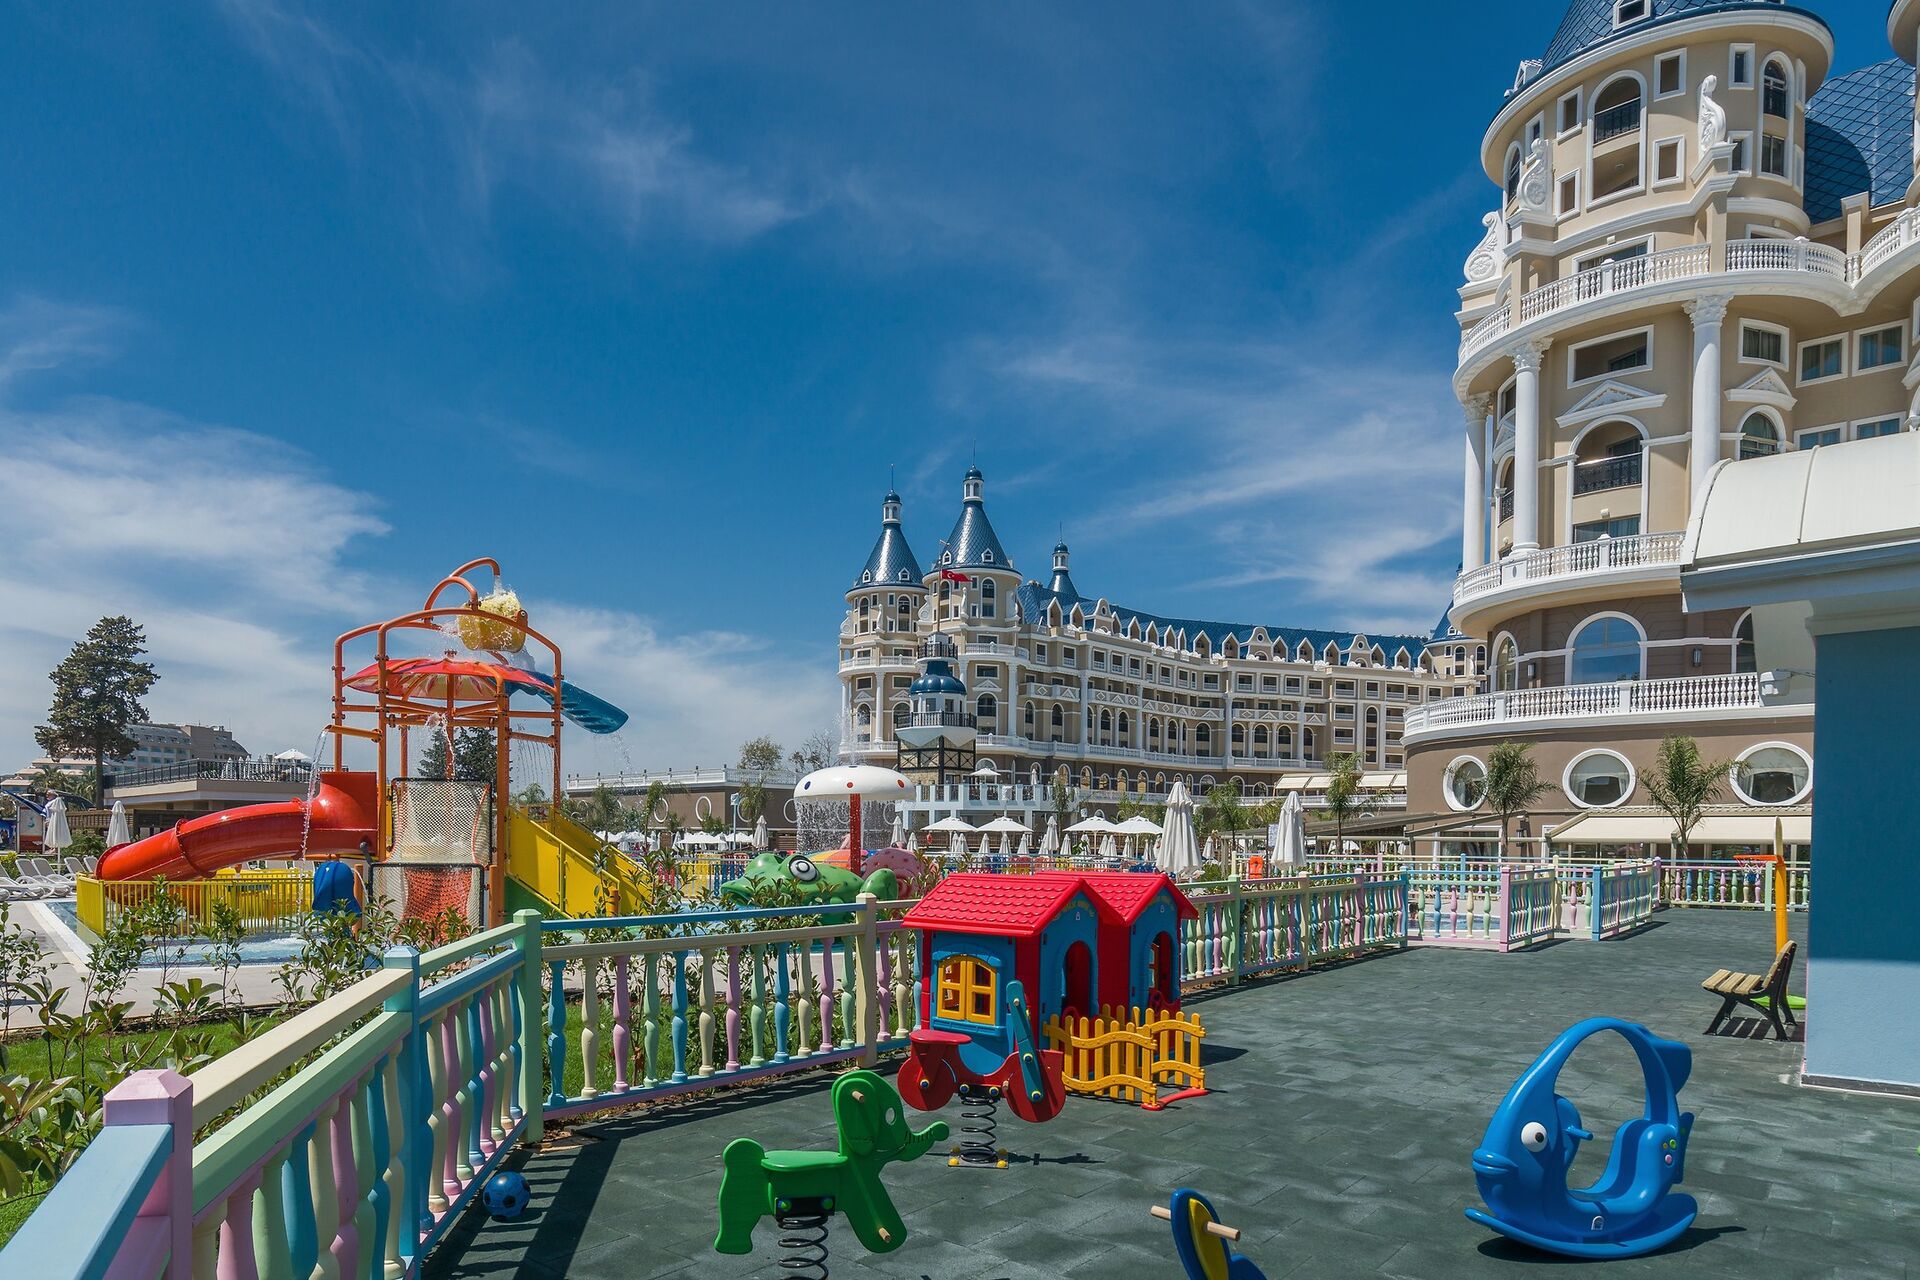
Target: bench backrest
column 1782, row 966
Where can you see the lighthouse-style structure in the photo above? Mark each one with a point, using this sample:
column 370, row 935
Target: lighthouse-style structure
column 936, row 737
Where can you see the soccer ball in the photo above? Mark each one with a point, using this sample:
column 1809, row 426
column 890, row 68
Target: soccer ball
column 506, row 1196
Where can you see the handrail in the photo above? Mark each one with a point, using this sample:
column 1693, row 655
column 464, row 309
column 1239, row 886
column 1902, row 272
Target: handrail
column 118, row 1169
column 1727, row 692
column 1602, row 555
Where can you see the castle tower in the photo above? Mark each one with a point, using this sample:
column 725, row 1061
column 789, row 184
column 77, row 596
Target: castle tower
column 883, row 618
column 974, row 579
column 937, row 735
column 1062, row 584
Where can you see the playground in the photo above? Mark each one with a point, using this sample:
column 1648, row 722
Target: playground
column 1340, row 1111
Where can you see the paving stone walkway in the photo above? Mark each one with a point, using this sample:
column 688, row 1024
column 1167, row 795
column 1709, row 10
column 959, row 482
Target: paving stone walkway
column 1345, row 1104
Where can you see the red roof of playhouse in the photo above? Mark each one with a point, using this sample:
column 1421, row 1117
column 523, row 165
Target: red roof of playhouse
column 1126, row 894
column 1005, row 906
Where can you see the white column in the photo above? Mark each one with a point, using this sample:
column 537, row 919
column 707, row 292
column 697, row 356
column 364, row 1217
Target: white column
column 1526, row 447
column 1709, row 313
column 1473, row 533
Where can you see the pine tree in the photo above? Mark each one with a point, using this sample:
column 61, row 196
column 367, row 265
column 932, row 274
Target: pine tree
column 97, row 692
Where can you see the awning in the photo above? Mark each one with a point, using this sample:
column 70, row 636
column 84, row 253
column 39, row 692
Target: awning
column 1384, row 781
column 1755, row 828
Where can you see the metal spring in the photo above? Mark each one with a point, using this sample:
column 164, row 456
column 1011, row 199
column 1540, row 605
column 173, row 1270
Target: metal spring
column 803, row 1244
column 979, row 1145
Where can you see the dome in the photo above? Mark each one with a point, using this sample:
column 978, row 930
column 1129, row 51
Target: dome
column 938, row 679
column 1589, row 24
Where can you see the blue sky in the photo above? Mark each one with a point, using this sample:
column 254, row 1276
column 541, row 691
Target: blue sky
column 302, row 306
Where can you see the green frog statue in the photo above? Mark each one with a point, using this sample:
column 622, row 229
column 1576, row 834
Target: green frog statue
column 812, row 881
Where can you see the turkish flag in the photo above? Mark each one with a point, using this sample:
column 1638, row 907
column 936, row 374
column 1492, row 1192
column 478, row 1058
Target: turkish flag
column 948, row 575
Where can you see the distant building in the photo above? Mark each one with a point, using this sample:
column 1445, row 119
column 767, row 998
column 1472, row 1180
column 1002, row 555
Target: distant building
column 154, row 746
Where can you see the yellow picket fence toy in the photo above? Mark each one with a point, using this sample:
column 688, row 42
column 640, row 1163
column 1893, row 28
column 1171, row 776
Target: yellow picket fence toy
column 1131, row 1058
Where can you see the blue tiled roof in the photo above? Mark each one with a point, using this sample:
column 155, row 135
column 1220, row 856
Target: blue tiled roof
column 1860, row 138
column 973, row 543
column 1035, row 598
column 1062, row 584
column 1589, row 23
column 891, row 560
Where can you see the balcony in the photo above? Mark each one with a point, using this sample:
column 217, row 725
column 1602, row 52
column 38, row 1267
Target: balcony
column 1506, row 504
column 937, row 720
column 886, row 662
column 1615, row 121
column 1619, row 472
column 1649, row 555
column 1628, row 700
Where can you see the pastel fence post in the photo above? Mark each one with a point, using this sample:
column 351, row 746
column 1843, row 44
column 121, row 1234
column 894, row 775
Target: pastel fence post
column 156, row 1098
column 1406, row 899
column 1598, row 885
column 1236, row 912
column 1504, row 920
column 527, row 1049
column 416, row 1139
column 867, row 979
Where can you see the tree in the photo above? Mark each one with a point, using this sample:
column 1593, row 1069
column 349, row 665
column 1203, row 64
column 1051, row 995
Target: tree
column 97, row 692
column 1513, row 784
column 753, row 802
column 474, row 756
column 1683, row 785
column 1062, row 800
column 1221, row 811
column 760, row 756
column 49, row 778
column 652, row 803
column 822, row 748
column 1342, row 795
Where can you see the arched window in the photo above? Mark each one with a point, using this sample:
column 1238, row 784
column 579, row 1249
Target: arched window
column 1259, row 738
column 866, row 605
column 1284, row 739
column 1746, row 655
column 1125, row 724
column 1204, row 736
column 863, row 716
column 1616, row 109
column 1759, row 436
column 1058, row 720
column 985, row 709
column 988, row 596
column 1774, row 95
column 902, row 713
column 1026, row 715
column 1506, row 665
column 1106, row 722
column 1514, row 166
column 1604, row 650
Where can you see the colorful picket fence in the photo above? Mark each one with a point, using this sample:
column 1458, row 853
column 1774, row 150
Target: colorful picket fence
column 1732, row 883
column 1266, row 926
column 1511, row 906
column 1131, row 1058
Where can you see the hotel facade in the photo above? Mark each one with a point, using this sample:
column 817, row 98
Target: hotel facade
column 1706, row 247
column 1039, row 679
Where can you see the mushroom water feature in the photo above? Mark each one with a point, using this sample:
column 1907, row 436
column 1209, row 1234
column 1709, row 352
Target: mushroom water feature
column 855, row 785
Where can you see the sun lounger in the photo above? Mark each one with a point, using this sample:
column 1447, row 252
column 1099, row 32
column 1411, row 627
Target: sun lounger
column 1765, row 993
column 41, row 872
column 12, row 890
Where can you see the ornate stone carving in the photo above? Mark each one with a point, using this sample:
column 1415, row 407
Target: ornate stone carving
column 1476, row 408
column 1529, row 356
column 1536, row 181
column 1490, row 255
column 1708, row 310
column 1713, row 116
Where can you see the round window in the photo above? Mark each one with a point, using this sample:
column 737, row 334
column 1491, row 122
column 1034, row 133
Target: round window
column 1466, row 783
column 1773, row 773
column 1599, row 780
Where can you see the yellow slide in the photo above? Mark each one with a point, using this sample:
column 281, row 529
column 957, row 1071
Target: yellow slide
column 554, row 859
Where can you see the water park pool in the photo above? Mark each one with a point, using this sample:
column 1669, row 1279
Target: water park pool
column 272, row 948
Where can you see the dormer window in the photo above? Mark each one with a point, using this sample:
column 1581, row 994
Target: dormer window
column 986, row 557
column 905, row 577
column 1625, row 11
column 867, row 576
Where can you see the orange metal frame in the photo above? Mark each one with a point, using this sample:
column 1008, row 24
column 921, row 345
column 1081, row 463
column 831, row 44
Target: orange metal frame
column 394, row 715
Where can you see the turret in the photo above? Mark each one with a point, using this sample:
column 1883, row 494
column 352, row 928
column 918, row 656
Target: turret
column 973, row 552
column 1062, row 584
column 891, row 563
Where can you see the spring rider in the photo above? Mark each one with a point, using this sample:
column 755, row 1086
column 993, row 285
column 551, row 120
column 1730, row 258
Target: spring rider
column 1521, row 1165
column 802, row 1190
column 1031, row 1080
column 1200, row 1240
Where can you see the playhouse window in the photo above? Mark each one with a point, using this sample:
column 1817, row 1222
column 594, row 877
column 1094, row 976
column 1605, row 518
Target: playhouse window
column 967, row 990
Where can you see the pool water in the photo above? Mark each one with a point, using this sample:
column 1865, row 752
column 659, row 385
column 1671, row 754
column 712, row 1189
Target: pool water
column 270, row 948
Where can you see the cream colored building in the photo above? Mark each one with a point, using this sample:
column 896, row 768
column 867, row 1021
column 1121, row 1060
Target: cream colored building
column 1123, row 701
column 1706, row 247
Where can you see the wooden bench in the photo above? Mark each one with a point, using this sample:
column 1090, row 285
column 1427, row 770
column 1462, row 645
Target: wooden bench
column 1766, row 993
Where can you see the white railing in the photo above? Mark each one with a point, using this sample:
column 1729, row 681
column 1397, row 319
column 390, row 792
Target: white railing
column 1611, row 278
column 1736, row 692
column 718, row 776
column 1602, row 555
column 1488, row 330
column 1788, row 255
column 1902, row 232
column 874, row 662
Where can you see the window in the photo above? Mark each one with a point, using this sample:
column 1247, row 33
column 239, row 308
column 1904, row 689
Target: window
column 1599, row 780
column 1742, row 148
column 1535, row 128
column 988, row 593
column 1567, row 199
column 1773, row 156
column 1618, row 527
column 1773, row 773
column 1604, row 650
column 1763, row 344
column 1569, row 113
column 1745, row 653
column 1670, row 75
column 1881, row 348
column 1822, row 359
column 1466, row 783
column 1618, row 253
column 1506, row 665
column 1617, row 110
column 1773, row 89
column 1513, row 173
column 1876, row 428
column 1740, row 67
column 1814, row 439
column 967, row 991
column 1759, row 437
column 1625, row 11
column 1619, row 353
column 985, row 709
column 1669, row 155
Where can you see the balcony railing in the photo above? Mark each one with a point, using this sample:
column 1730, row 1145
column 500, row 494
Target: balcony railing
column 1789, row 255
column 1619, row 472
column 1602, row 555
column 1626, row 698
column 1614, row 121
column 1506, row 504
column 214, row 770
column 1610, row 278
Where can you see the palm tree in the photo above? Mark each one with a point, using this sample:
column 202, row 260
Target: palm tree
column 1342, row 796
column 1513, row 784
column 1683, row 785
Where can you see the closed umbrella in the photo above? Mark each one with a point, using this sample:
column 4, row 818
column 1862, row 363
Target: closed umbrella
column 1006, row 845
column 1108, row 849
column 957, row 846
column 1178, row 852
column 899, row 837
column 1050, row 842
column 760, row 836
column 119, row 829
column 58, row 835
column 986, row 846
column 1026, row 845
column 1292, row 849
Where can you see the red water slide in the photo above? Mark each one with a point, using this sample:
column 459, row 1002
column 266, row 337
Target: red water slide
column 345, row 809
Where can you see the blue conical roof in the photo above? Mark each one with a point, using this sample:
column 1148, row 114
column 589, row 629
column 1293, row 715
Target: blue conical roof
column 1062, row 584
column 973, row 543
column 1589, row 23
column 891, row 560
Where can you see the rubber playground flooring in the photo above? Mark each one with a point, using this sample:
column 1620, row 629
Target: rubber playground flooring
column 1345, row 1104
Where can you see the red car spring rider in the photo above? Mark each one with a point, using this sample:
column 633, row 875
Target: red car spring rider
column 941, row 1064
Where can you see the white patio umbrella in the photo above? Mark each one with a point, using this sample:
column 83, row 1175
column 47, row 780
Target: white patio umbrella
column 760, row 832
column 1141, row 825
column 957, row 846
column 898, row 839
column 1178, row 852
column 1026, row 845
column 1292, row 847
column 1108, row 849
column 1005, row 826
column 1006, row 845
column 293, row 753
column 985, row 771
column 119, row 829
column 1092, row 826
column 58, row 835
column 1050, row 842
column 957, row 825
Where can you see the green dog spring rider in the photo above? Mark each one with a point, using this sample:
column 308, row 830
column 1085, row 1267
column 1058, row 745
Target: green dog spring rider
column 802, row 1190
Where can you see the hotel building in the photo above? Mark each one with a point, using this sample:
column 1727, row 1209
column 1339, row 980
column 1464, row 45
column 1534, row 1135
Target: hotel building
column 1706, row 247
column 1038, row 678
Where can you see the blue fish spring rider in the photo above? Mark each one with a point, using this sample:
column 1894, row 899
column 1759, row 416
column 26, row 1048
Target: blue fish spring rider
column 1199, row 1239
column 1522, row 1163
